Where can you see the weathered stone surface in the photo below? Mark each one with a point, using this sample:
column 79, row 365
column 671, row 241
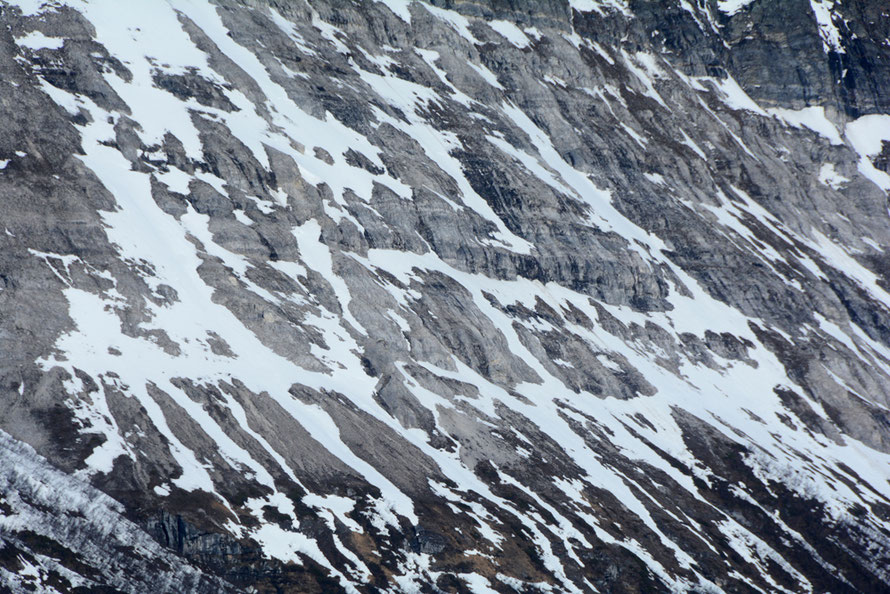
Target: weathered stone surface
column 439, row 296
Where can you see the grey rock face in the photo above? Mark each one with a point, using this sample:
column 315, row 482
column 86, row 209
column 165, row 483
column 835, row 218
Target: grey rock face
column 59, row 532
column 446, row 296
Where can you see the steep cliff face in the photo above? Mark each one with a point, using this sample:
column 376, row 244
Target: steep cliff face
column 445, row 296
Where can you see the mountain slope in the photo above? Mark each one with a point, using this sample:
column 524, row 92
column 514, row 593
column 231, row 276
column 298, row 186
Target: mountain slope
column 458, row 296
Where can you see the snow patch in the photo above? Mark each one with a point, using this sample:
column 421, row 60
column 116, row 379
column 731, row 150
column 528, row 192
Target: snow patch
column 831, row 178
column 831, row 37
column 600, row 7
column 643, row 66
column 400, row 8
column 456, row 21
column 731, row 7
column 692, row 145
column 867, row 135
column 36, row 40
column 812, row 117
column 486, row 74
column 511, row 33
column 734, row 96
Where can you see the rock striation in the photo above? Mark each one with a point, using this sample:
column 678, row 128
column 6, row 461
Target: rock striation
column 445, row 296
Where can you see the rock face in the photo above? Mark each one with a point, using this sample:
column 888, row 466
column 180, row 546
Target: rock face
column 445, row 296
